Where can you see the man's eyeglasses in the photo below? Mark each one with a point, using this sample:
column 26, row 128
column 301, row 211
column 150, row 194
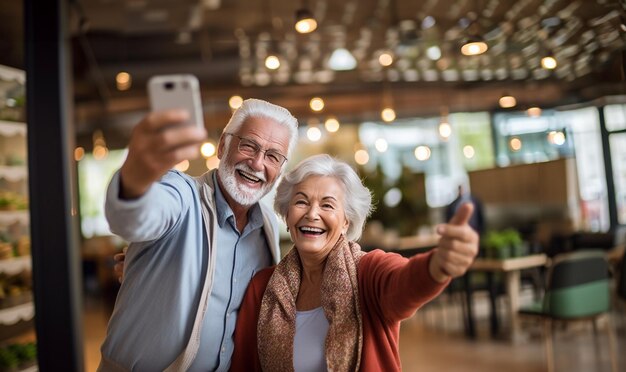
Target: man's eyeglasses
column 250, row 148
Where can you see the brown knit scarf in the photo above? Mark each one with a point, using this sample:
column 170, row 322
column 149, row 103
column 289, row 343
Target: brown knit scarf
column 340, row 301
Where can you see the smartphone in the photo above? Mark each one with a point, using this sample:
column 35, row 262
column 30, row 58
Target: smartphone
column 181, row 91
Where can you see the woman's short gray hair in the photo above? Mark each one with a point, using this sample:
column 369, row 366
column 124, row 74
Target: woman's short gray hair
column 358, row 199
column 258, row 108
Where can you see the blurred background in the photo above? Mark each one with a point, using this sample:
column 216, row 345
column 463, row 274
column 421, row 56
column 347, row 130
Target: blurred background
column 523, row 103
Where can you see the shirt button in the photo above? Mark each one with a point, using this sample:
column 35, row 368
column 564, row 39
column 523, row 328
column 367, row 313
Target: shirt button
column 235, row 280
column 227, row 315
column 223, row 349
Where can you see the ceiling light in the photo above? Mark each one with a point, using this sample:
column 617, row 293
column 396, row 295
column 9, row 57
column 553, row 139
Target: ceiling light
column 314, row 134
column 207, row 149
column 361, row 157
column 559, row 138
column 341, row 60
column 235, row 102
column 474, row 46
column 388, row 114
column 385, row 59
column 507, row 101
column 272, row 62
column 433, row 53
column 316, row 104
column 445, row 130
column 100, row 150
column 468, row 152
column 533, row 112
column 548, row 62
column 305, row 22
column 381, row 145
column 331, row 125
column 428, row 22
column 422, row 153
column 515, row 144
column 79, row 153
column 123, row 80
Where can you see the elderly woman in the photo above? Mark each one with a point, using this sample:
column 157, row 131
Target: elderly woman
column 327, row 305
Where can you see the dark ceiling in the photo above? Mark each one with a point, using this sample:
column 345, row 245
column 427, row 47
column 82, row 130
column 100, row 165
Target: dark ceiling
column 225, row 42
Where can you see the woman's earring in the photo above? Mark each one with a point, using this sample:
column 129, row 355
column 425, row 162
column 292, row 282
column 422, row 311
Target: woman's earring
column 287, row 228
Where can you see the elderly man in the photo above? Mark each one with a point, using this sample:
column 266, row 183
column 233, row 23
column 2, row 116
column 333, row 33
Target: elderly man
column 195, row 242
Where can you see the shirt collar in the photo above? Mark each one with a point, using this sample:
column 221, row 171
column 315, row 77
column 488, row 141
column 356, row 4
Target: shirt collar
column 255, row 217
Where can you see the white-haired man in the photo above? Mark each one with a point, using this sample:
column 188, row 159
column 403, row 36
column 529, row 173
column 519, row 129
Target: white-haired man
column 195, row 242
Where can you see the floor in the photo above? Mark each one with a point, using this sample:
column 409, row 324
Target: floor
column 433, row 340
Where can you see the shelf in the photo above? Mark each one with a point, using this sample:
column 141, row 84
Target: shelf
column 10, row 217
column 12, row 128
column 15, row 265
column 9, row 74
column 14, row 314
column 13, row 173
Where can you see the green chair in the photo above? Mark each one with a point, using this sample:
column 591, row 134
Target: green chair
column 577, row 290
column 621, row 286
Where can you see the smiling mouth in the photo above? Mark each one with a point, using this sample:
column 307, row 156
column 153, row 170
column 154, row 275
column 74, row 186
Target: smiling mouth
column 249, row 177
column 311, row 230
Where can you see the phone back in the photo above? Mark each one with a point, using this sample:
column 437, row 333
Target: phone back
column 176, row 92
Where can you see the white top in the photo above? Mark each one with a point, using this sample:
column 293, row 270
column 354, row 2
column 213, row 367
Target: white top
column 308, row 344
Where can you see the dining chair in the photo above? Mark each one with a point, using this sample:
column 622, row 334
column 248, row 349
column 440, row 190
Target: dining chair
column 621, row 285
column 621, row 288
column 577, row 290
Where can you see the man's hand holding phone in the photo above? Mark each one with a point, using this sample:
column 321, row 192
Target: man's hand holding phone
column 164, row 138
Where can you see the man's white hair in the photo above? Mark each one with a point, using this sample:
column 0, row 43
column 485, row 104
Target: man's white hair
column 258, row 108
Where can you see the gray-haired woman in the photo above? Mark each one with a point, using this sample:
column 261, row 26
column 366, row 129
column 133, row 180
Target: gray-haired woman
column 327, row 305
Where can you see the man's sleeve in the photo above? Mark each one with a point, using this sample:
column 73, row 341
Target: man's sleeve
column 151, row 215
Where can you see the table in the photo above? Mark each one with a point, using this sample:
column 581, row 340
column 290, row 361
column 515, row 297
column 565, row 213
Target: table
column 409, row 246
column 511, row 267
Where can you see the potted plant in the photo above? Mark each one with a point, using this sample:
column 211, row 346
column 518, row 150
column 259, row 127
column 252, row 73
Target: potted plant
column 495, row 245
column 514, row 242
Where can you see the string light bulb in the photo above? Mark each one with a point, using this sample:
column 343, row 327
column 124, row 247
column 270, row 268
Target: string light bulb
column 548, row 62
column 507, row 101
column 388, row 114
column 474, row 46
column 305, row 22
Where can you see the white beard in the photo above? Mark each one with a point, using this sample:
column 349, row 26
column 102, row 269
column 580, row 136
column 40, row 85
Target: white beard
column 240, row 192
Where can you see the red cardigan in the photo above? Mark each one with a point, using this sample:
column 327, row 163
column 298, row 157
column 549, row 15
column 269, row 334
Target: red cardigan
column 391, row 288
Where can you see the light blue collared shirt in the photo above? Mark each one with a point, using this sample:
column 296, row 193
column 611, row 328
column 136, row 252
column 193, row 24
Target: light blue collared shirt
column 239, row 257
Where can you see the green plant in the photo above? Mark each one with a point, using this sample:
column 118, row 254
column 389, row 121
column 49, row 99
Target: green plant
column 503, row 244
column 495, row 245
column 514, row 241
column 24, row 352
column 511, row 236
column 411, row 211
column 8, row 360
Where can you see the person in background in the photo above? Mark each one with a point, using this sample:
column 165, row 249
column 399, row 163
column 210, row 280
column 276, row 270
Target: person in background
column 195, row 243
column 328, row 305
column 477, row 220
